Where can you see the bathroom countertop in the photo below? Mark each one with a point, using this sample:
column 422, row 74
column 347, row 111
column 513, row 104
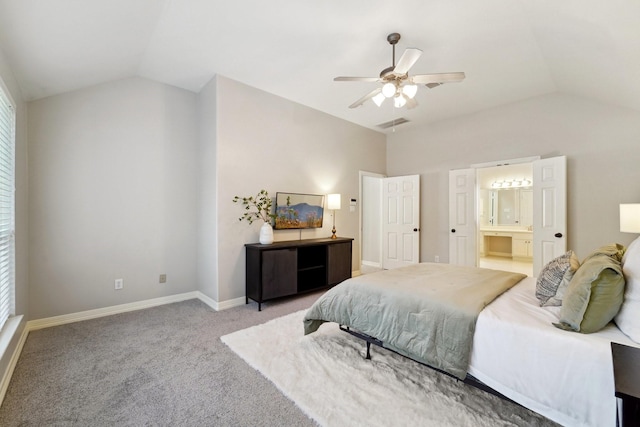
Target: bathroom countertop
column 507, row 229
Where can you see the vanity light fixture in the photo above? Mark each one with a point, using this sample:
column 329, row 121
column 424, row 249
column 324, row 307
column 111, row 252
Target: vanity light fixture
column 511, row 183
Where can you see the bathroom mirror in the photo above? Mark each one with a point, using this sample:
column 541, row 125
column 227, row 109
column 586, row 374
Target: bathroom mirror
column 506, row 207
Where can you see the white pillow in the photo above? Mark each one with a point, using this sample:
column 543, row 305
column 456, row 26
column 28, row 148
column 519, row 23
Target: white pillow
column 628, row 318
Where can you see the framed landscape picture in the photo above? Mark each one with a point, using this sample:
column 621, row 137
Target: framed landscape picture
column 295, row 210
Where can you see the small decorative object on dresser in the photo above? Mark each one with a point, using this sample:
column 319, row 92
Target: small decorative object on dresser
column 258, row 208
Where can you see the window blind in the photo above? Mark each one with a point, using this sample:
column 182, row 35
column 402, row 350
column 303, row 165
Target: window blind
column 7, row 207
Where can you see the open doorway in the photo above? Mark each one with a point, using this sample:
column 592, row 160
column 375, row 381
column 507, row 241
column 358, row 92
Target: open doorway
column 549, row 228
column 505, row 217
column 370, row 222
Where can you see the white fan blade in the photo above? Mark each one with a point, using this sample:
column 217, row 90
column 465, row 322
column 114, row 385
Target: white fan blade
column 437, row 78
column 365, row 98
column 356, row 79
column 408, row 58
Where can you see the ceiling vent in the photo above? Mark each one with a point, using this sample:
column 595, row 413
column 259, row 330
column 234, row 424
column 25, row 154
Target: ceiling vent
column 393, row 123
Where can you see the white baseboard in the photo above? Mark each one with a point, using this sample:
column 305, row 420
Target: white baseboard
column 10, row 329
column 371, row 264
column 48, row 322
column 230, row 303
column 223, row 305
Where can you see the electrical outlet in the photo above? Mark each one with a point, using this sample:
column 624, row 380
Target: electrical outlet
column 119, row 283
column 163, row 278
column 437, row 258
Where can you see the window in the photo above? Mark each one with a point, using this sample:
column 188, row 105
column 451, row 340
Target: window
column 7, row 207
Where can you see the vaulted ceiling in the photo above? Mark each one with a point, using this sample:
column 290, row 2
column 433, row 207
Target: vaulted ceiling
column 510, row 50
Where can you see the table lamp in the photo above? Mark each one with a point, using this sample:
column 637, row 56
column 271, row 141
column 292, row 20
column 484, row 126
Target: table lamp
column 333, row 203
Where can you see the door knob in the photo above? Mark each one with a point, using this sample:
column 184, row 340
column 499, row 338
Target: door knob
column 415, row 229
column 453, row 230
column 558, row 235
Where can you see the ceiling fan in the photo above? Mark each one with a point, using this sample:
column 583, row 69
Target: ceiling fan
column 397, row 83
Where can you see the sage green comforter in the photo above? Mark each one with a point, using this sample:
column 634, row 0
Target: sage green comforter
column 425, row 311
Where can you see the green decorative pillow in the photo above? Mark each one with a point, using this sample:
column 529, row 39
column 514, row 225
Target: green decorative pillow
column 594, row 295
column 614, row 250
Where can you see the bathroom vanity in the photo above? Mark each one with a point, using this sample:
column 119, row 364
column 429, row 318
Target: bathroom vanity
column 515, row 243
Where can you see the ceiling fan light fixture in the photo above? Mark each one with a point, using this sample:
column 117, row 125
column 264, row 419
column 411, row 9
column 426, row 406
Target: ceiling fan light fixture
column 399, row 101
column 379, row 99
column 396, row 82
column 410, row 90
column 388, row 90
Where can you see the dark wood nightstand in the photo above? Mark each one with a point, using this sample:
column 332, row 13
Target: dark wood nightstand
column 626, row 373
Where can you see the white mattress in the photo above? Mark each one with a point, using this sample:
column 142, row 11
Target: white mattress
column 565, row 376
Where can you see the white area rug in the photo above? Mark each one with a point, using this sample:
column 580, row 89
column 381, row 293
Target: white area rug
column 326, row 375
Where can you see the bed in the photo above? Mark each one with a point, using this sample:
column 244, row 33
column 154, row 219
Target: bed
column 518, row 352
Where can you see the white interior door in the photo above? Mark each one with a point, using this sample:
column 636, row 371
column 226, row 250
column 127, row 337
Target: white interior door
column 400, row 221
column 462, row 217
column 550, row 210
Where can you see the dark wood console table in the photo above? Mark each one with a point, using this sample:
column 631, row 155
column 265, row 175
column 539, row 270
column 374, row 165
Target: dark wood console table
column 293, row 267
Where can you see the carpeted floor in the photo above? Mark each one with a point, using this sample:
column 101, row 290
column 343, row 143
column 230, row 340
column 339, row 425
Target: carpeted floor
column 163, row 366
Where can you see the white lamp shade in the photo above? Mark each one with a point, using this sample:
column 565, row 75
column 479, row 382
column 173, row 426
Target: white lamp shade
column 630, row 218
column 388, row 90
column 333, row 202
column 379, row 99
column 410, row 90
column 399, row 101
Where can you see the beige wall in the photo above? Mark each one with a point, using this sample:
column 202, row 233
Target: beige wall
column 264, row 141
column 134, row 178
column 207, row 211
column 131, row 179
column 602, row 145
column 112, row 194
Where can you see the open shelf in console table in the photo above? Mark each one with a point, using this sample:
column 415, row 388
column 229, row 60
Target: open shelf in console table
column 293, row 267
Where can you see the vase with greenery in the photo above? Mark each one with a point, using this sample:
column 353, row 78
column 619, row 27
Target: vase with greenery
column 257, row 208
